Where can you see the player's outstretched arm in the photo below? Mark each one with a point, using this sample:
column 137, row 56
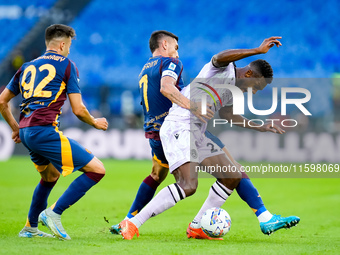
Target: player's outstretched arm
column 227, row 113
column 227, row 56
column 80, row 110
column 169, row 90
column 6, row 112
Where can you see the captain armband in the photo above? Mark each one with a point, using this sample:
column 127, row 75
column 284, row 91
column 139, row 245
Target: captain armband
column 170, row 73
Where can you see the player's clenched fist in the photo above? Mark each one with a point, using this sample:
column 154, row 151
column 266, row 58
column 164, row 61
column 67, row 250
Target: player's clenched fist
column 101, row 123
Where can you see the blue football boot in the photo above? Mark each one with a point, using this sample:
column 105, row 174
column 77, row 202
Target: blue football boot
column 115, row 229
column 277, row 222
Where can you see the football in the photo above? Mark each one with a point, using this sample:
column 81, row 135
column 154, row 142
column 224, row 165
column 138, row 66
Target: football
column 215, row 222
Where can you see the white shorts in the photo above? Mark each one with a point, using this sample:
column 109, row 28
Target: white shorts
column 184, row 143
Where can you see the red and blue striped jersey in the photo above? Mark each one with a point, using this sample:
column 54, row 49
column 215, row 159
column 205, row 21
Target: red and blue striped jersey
column 43, row 84
column 155, row 105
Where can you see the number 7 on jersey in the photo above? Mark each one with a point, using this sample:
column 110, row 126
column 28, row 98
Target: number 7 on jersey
column 144, row 82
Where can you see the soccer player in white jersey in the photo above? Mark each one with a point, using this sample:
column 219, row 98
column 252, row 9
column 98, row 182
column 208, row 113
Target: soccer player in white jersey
column 186, row 146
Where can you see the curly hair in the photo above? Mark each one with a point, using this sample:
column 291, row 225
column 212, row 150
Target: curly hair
column 262, row 67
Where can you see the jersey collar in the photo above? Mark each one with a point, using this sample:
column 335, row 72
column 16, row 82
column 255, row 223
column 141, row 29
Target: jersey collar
column 51, row 51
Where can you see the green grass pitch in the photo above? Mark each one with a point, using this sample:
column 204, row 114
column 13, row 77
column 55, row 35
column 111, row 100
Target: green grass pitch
column 315, row 201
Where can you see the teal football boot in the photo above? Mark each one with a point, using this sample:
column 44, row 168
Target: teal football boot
column 277, row 222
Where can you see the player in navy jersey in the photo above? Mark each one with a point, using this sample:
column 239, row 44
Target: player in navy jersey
column 44, row 84
column 149, row 86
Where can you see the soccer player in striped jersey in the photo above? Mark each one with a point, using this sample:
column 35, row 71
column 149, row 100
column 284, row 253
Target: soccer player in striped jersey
column 44, row 84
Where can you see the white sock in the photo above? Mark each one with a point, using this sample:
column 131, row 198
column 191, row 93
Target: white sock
column 265, row 216
column 135, row 221
column 51, row 213
column 195, row 224
column 218, row 194
column 164, row 200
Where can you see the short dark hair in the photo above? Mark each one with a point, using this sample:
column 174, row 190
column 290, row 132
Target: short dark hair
column 57, row 31
column 263, row 68
column 157, row 36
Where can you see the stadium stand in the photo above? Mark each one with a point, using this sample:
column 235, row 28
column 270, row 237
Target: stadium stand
column 112, row 36
column 17, row 19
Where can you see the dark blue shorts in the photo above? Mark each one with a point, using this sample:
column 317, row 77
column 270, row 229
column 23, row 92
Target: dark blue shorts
column 48, row 145
column 158, row 153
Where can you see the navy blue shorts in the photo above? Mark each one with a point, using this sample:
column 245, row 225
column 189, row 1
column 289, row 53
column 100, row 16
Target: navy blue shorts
column 48, row 145
column 158, row 153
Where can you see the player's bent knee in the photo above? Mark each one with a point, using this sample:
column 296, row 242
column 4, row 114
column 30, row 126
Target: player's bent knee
column 95, row 176
column 50, row 174
column 94, row 166
column 50, row 178
column 189, row 188
column 159, row 174
column 189, row 191
column 101, row 170
column 155, row 177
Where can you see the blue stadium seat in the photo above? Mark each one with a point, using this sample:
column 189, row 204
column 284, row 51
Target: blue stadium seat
column 17, row 19
column 112, row 36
